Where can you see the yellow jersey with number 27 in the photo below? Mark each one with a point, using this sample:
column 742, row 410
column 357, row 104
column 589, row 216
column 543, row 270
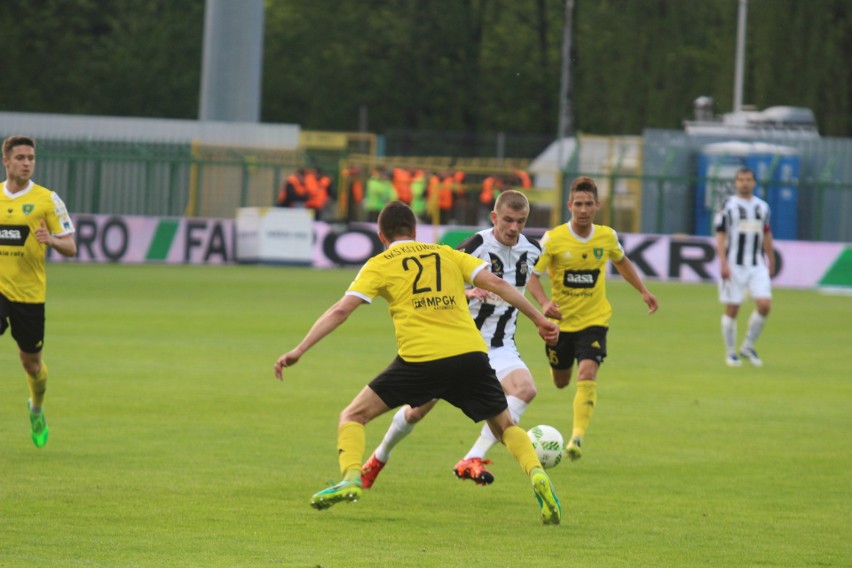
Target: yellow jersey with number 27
column 424, row 286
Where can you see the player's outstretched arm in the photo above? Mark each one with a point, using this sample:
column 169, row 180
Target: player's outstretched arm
column 325, row 324
column 628, row 272
column 548, row 306
column 548, row 330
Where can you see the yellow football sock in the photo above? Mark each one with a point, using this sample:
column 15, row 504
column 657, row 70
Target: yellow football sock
column 584, row 406
column 351, row 443
column 521, row 448
column 38, row 386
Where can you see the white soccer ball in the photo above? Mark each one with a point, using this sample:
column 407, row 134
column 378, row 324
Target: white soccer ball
column 548, row 444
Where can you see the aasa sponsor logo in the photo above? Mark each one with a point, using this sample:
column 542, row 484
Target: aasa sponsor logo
column 14, row 235
column 580, row 278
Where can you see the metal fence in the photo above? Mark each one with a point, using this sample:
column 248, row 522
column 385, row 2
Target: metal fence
column 162, row 179
column 823, row 185
column 824, row 207
column 658, row 196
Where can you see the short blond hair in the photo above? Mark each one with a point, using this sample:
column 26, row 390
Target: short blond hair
column 513, row 199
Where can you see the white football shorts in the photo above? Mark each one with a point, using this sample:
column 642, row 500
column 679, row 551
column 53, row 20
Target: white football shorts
column 755, row 279
column 504, row 360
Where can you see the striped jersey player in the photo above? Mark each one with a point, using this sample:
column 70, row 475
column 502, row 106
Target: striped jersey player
column 496, row 319
column 747, row 263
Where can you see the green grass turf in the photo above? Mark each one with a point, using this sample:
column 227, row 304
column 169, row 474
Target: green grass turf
column 171, row 444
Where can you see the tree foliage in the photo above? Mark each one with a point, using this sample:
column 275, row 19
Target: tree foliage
column 102, row 57
column 458, row 65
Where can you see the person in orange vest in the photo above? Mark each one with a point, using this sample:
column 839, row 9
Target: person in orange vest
column 401, row 179
column 460, row 201
column 326, row 183
column 522, row 180
column 433, row 190
column 351, row 179
column 312, row 186
column 441, row 191
column 491, row 188
column 319, row 191
column 293, row 192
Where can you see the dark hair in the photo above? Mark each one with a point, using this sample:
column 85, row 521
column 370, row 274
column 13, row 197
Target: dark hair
column 745, row 171
column 584, row 183
column 13, row 141
column 397, row 220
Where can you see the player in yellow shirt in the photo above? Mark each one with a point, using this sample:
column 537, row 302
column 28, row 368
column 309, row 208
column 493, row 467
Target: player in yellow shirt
column 575, row 256
column 441, row 353
column 32, row 218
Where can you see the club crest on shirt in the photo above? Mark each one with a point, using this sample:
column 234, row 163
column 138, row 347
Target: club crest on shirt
column 598, row 251
column 27, row 208
column 497, row 267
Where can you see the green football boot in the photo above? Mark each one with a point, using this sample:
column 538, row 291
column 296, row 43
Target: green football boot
column 551, row 510
column 349, row 491
column 38, row 426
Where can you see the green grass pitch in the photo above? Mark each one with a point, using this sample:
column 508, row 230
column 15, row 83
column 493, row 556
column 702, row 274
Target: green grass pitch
column 171, row 444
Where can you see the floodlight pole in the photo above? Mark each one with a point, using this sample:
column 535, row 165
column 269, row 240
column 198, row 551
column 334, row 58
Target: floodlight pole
column 740, row 56
column 566, row 108
column 232, row 61
column 566, row 112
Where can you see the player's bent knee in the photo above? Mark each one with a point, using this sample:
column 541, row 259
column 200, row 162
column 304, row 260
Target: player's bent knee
column 524, row 392
column 413, row 416
column 561, row 378
column 32, row 364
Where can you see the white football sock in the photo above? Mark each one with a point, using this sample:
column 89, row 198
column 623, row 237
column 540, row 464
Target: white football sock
column 729, row 333
column 755, row 326
column 486, row 438
column 397, row 430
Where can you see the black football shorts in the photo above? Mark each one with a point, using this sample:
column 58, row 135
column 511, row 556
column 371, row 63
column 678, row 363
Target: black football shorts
column 589, row 343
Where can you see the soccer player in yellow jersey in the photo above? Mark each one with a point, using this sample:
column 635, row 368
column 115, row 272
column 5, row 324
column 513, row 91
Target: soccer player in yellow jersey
column 32, row 218
column 575, row 256
column 441, row 353
column 510, row 255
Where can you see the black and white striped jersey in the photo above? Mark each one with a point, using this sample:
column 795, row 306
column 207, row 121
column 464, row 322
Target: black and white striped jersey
column 745, row 221
column 497, row 319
